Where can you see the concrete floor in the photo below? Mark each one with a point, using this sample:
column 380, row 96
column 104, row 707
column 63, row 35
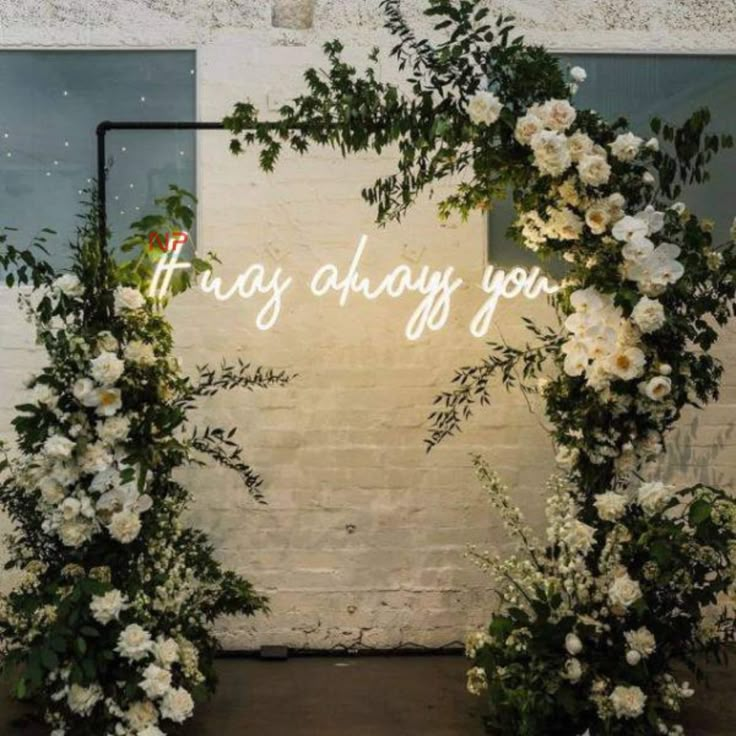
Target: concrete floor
column 367, row 696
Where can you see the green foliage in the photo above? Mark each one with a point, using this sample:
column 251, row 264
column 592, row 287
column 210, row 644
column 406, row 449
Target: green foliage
column 99, row 513
column 458, row 118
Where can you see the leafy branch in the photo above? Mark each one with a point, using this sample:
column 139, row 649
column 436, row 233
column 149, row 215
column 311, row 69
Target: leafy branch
column 472, row 384
column 693, row 149
column 218, row 444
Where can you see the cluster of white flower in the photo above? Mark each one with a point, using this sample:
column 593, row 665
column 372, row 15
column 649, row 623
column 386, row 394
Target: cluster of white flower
column 652, row 267
column 604, row 346
column 155, row 660
column 83, row 483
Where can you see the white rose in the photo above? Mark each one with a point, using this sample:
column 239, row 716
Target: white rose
column 70, row 508
column 113, row 430
column 578, row 74
column 82, row 700
column 75, row 532
column 573, row 670
column 648, row 315
column 573, row 644
column 95, row 459
column 563, row 224
column 108, row 607
column 141, row 714
column 567, row 456
column 578, row 537
column 594, row 170
column 165, row 651
column 624, row 591
column 656, row 388
column 151, row 731
column 633, row 657
column 626, row 147
column 51, row 490
column 526, row 128
column 598, row 218
column 156, row 681
column 82, row 389
column 626, row 363
column 125, row 526
column 642, row 641
column 652, row 144
column 140, row 353
column 579, row 144
column 551, row 154
column 628, row 702
column 45, row 395
column 558, row 114
column 484, row 108
column 69, row 285
column 616, row 203
column 106, row 341
column 177, row 705
column 477, row 681
column 134, row 643
column 59, row 447
column 652, row 497
column 65, row 473
column 107, row 368
column 128, row 299
column 611, row 506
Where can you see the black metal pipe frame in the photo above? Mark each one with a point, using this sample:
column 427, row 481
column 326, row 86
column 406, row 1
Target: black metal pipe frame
column 102, row 129
column 451, row 648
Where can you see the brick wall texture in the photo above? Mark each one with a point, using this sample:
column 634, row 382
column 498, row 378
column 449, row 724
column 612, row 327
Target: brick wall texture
column 363, row 537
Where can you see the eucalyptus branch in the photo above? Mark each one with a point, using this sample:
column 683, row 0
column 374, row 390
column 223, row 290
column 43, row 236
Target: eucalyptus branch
column 238, row 375
column 472, row 383
column 219, row 445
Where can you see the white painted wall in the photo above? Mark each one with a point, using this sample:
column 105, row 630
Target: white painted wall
column 363, row 537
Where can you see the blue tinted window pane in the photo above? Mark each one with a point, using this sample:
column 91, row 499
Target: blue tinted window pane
column 641, row 87
column 52, row 103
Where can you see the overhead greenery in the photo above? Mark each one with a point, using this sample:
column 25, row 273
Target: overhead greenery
column 594, row 618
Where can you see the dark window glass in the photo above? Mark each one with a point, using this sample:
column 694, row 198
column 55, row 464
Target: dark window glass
column 640, row 87
column 52, row 102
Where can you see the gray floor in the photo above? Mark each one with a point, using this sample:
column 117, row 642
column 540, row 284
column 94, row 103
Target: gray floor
column 368, row 696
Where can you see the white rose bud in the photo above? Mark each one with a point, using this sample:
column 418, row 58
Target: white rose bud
column 578, row 74
column 633, row 657
column 573, row 644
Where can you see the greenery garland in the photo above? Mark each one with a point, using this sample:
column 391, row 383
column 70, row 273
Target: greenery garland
column 109, row 630
column 593, row 619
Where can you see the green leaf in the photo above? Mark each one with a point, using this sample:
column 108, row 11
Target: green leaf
column 81, row 645
column 699, row 512
column 49, row 659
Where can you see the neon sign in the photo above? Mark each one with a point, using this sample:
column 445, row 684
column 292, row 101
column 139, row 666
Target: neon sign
column 436, row 287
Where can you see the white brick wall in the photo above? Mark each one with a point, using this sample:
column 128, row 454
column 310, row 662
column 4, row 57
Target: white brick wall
column 363, row 537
